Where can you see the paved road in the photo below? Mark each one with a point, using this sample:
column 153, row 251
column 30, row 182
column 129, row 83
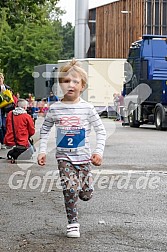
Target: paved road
column 127, row 212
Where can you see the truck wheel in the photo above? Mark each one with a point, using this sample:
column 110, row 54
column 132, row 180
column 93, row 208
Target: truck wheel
column 158, row 118
column 131, row 117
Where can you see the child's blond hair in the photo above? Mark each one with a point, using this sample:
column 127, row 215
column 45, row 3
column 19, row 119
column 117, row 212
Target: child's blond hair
column 73, row 66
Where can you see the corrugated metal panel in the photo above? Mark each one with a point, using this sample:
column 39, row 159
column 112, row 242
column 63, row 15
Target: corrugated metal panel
column 115, row 31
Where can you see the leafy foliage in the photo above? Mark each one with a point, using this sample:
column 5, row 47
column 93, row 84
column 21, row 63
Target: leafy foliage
column 28, row 46
column 29, row 42
column 68, row 41
column 23, row 11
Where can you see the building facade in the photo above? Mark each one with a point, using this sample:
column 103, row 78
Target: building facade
column 115, row 26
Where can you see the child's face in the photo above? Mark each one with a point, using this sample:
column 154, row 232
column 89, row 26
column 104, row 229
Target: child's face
column 72, row 86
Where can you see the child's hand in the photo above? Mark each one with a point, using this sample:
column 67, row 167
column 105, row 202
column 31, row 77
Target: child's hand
column 96, row 159
column 41, row 159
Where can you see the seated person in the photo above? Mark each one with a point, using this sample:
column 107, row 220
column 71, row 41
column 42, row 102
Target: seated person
column 23, row 126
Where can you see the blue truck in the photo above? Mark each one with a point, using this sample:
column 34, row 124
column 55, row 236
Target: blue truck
column 145, row 86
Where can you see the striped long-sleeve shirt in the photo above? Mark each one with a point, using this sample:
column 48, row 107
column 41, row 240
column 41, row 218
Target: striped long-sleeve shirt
column 73, row 126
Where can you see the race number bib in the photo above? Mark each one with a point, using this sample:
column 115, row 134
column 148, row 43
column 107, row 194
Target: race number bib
column 70, row 138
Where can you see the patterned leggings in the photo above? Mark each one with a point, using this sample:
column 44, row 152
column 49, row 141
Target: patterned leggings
column 76, row 181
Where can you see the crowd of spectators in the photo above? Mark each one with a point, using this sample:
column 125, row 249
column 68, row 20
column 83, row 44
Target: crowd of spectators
column 34, row 108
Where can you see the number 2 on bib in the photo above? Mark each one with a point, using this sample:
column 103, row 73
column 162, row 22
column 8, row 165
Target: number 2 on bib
column 72, row 138
column 70, row 141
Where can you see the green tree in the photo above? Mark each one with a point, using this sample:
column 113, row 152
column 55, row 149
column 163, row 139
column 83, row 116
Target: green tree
column 27, row 46
column 68, row 41
column 23, row 11
column 25, row 42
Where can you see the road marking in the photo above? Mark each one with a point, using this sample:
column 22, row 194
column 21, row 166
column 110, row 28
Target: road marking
column 119, row 171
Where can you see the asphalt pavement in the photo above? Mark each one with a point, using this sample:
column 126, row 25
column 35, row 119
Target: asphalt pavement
column 127, row 212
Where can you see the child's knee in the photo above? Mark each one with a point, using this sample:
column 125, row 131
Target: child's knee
column 86, row 195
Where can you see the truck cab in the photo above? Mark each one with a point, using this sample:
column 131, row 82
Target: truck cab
column 145, row 85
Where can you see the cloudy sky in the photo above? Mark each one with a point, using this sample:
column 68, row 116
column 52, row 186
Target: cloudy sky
column 69, row 7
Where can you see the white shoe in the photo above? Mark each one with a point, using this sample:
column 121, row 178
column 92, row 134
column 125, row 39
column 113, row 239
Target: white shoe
column 3, row 146
column 73, row 230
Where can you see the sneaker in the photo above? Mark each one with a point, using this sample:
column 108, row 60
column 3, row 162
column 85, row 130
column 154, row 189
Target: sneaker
column 73, row 230
column 3, row 146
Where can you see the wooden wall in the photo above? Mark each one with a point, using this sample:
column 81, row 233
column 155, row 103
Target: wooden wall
column 116, row 31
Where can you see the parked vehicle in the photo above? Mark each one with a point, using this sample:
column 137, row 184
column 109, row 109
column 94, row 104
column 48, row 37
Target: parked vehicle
column 105, row 77
column 145, row 88
column 44, row 80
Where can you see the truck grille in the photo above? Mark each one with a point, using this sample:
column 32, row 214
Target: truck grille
column 160, row 74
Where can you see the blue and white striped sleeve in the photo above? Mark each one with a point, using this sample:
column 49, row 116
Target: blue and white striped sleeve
column 100, row 131
column 44, row 132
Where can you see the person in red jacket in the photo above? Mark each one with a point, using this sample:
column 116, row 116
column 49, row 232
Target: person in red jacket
column 23, row 125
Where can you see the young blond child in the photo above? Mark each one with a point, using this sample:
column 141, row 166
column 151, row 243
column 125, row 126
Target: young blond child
column 73, row 118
